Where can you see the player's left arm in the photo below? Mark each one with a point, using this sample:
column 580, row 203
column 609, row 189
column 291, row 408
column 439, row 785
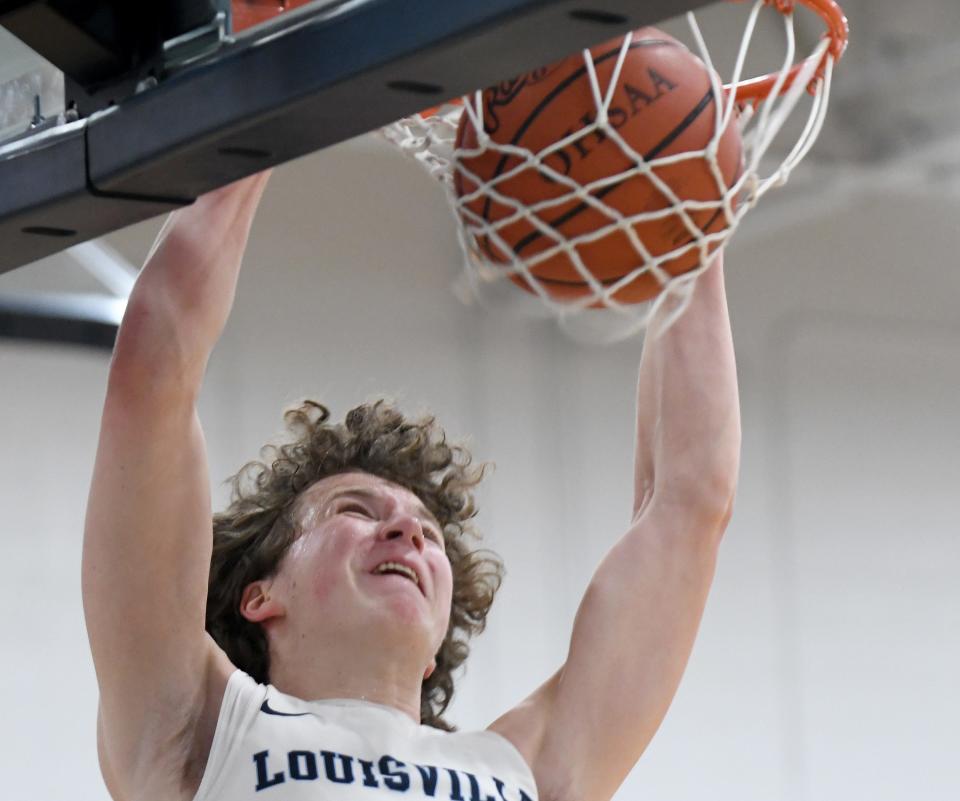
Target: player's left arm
column 584, row 729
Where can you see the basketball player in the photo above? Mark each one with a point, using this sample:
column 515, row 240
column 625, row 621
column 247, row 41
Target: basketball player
column 347, row 619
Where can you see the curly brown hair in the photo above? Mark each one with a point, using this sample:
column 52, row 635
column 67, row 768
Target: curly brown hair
column 251, row 536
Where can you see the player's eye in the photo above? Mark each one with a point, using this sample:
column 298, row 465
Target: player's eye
column 355, row 508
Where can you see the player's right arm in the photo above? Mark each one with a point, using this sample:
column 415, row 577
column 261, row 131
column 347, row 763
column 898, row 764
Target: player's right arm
column 147, row 541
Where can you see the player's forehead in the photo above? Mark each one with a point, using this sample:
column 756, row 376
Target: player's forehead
column 320, row 495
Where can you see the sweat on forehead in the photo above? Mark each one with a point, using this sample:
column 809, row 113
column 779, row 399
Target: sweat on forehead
column 313, row 501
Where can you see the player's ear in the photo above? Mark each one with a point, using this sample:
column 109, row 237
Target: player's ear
column 257, row 605
column 430, row 668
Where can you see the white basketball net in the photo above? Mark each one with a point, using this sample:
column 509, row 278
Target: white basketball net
column 431, row 140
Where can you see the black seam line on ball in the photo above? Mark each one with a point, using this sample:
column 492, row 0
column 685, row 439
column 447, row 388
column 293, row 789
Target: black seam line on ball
column 664, row 143
column 557, row 90
column 566, row 282
column 575, row 76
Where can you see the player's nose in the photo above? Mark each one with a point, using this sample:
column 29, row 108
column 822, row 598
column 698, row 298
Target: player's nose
column 406, row 527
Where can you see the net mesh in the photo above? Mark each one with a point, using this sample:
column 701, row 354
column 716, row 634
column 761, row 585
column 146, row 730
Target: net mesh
column 596, row 313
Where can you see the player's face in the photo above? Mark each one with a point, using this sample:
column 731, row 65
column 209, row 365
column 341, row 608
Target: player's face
column 370, row 556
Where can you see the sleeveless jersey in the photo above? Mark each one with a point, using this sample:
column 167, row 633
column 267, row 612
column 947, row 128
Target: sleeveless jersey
column 270, row 746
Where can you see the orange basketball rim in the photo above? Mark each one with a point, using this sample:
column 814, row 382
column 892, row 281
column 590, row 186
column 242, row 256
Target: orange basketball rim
column 754, row 90
column 838, row 32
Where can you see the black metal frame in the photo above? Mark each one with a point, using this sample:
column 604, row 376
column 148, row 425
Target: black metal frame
column 279, row 94
column 106, row 52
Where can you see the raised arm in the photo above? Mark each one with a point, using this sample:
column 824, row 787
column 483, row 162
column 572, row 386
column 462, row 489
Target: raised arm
column 585, row 728
column 147, row 542
column 688, row 411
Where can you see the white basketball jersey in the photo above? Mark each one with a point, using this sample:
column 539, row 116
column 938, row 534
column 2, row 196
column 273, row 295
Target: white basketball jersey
column 270, row 746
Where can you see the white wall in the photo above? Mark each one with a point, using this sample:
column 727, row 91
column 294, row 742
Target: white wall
column 827, row 661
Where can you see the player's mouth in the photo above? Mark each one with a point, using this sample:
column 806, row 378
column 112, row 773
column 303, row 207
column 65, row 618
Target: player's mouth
column 398, row 569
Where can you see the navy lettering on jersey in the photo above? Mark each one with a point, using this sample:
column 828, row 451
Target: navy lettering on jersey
column 428, row 774
column 455, row 794
column 346, row 764
column 302, row 765
column 387, row 771
column 396, row 778
column 369, row 778
column 475, row 790
column 260, row 760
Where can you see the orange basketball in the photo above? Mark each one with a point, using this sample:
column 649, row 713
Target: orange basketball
column 663, row 105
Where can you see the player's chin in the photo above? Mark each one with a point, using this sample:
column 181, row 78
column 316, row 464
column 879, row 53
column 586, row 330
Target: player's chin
column 405, row 607
column 405, row 624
